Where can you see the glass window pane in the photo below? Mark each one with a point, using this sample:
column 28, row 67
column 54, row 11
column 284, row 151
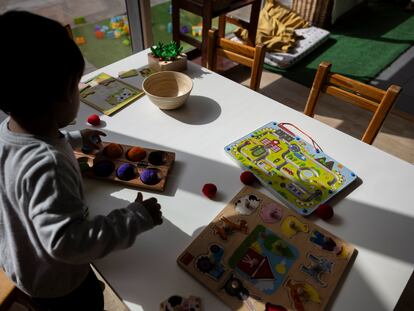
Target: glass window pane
column 100, row 27
column 190, row 23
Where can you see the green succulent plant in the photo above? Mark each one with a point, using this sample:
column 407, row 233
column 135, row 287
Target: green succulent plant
column 168, row 51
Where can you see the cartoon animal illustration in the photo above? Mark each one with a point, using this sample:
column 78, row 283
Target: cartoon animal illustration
column 328, row 244
column 317, row 268
column 179, row 303
column 229, row 227
column 119, row 97
column 247, row 204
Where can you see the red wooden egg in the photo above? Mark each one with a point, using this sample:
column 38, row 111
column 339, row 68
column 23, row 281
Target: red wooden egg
column 94, row 120
column 247, row 178
column 209, row 190
column 324, row 211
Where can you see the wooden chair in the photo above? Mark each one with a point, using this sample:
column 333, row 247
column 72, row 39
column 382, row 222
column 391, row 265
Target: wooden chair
column 365, row 96
column 249, row 56
column 9, row 294
column 69, row 30
column 209, row 9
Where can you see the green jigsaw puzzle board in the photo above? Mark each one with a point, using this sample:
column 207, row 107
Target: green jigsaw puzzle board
column 257, row 254
column 108, row 94
column 300, row 175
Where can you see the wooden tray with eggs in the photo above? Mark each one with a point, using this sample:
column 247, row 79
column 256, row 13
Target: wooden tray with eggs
column 132, row 166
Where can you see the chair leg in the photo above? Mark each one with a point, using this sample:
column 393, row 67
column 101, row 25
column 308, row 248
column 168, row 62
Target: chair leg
column 319, row 80
column 254, row 20
column 204, row 40
column 222, row 26
column 175, row 21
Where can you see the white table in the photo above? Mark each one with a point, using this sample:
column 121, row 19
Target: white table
column 377, row 217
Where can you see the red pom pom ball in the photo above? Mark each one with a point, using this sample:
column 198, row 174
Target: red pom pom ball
column 94, row 120
column 247, row 178
column 324, row 211
column 209, row 190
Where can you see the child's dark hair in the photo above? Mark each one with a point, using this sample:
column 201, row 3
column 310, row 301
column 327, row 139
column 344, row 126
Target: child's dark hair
column 40, row 64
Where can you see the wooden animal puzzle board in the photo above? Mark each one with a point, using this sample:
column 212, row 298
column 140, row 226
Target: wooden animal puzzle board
column 257, row 254
column 162, row 165
column 296, row 172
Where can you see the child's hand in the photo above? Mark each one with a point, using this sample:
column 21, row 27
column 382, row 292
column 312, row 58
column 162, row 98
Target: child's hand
column 91, row 138
column 152, row 207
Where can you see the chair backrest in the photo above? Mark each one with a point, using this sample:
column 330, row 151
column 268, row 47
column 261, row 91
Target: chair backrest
column 69, row 30
column 365, row 96
column 7, row 289
column 249, row 56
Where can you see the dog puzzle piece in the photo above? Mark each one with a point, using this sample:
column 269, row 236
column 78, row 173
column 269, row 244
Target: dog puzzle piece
column 246, row 205
column 179, row 303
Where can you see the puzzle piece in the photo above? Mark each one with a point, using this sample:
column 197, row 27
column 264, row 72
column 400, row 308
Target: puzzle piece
column 292, row 225
column 271, row 213
column 328, row 244
column 247, row 204
column 301, row 293
column 179, row 303
column 317, row 268
column 211, row 262
column 229, row 228
column 128, row 73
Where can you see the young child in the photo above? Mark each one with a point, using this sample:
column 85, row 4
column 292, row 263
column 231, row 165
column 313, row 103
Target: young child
column 47, row 239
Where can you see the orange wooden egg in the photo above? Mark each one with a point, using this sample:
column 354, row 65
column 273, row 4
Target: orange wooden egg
column 113, row 151
column 136, row 154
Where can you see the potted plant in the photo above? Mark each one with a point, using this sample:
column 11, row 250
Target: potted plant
column 167, row 57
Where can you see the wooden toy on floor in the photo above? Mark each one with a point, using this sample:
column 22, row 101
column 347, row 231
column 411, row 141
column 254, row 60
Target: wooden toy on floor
column 257, row 254
column 295, row 171
column 128, row 165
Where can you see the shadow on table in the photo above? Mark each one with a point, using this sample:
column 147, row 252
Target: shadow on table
column 197, row 110
column 375, row 228
column 363, row 225
column 129, row 275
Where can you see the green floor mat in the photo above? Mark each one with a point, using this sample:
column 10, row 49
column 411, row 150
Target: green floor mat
column 362, row 43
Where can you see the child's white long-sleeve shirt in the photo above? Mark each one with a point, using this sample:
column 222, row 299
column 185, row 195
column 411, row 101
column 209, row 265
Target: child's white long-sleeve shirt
column 46, row 238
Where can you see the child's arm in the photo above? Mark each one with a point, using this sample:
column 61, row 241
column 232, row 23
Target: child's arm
column 60, row 217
